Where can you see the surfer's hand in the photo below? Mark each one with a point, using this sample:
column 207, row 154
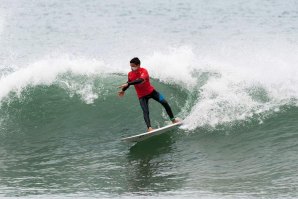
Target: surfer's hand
column 123, row 85
column 123, row 88
column 121, row 93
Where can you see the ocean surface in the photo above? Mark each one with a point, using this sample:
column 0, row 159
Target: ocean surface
column 228, row 68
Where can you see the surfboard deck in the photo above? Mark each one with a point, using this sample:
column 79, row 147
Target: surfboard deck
column 144, row 136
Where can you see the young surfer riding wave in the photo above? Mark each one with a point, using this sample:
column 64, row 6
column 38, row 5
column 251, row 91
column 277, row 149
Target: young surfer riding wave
column 139, row 77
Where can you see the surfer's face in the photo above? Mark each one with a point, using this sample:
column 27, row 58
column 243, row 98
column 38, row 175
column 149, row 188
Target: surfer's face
column 134, row 66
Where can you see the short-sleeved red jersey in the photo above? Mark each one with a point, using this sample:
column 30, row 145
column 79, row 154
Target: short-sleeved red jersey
column 144, row 88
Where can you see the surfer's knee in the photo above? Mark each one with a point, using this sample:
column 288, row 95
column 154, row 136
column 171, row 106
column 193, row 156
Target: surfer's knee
column 165, row 103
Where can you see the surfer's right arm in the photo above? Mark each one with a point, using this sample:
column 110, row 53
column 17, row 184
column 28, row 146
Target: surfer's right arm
column 125, row 86
column 123, row 89
column 137, row 81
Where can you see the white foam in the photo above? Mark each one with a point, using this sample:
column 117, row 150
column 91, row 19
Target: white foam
column 174, row 66
column 46, row 72
column 235, row 69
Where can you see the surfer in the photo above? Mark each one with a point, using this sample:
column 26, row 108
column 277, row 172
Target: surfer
column 139, row 77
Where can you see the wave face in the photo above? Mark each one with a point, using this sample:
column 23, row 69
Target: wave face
column 228, row 69
column 216, row 93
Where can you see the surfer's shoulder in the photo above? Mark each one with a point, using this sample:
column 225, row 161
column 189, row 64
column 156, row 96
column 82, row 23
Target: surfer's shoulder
column 143, row 70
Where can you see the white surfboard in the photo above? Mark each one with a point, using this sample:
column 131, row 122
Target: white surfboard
column 144, row 136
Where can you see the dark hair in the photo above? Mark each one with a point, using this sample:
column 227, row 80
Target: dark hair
column 135, row 61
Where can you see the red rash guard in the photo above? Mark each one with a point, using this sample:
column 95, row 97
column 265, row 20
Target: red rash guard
column 144, row 88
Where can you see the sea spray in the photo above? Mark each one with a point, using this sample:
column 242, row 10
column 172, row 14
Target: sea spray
column 50, row 70
column 241, row 82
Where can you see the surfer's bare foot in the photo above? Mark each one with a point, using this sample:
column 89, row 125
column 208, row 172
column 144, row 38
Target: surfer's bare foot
column 150, row 129
column 174, row 121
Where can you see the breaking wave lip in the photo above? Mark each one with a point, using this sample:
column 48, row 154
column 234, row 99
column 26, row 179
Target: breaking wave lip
column 231, row 85
column 49, row 70
column 221, row 89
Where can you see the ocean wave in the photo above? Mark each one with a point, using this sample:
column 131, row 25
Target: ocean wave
column 218, row 89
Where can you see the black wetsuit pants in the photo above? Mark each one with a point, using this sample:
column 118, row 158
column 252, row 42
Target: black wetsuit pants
column 157, row 97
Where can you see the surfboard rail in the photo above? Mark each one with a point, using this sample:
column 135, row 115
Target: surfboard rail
column 146, row 135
